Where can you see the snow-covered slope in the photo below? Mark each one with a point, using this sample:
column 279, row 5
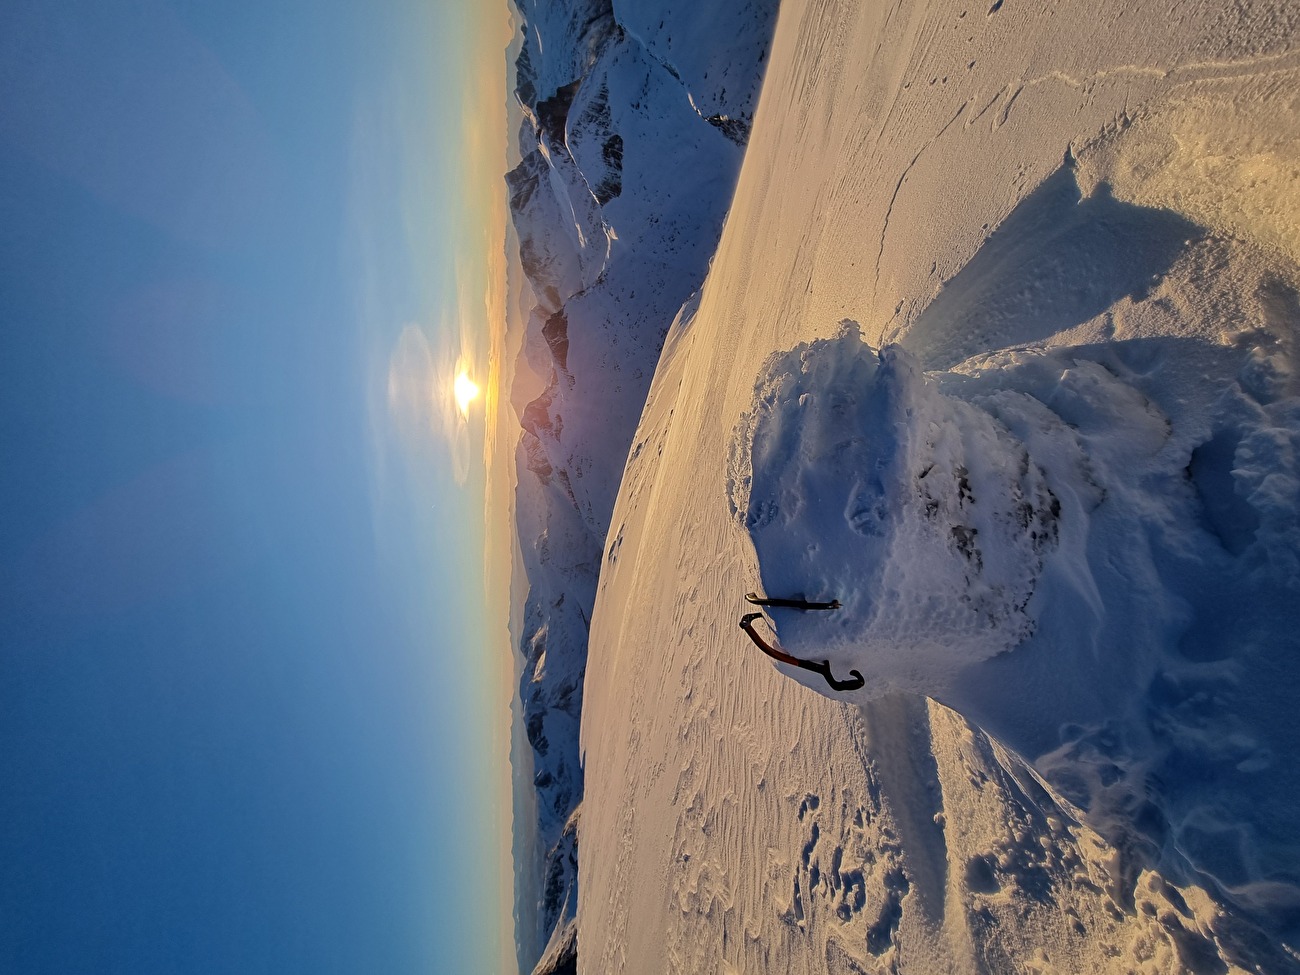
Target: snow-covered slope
column 1049, row 469
column 631, row 143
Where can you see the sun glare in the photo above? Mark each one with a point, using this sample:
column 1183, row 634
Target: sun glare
column 466, row 389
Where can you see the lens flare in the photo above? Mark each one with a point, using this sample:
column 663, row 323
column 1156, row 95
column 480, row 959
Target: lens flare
column 466, row 390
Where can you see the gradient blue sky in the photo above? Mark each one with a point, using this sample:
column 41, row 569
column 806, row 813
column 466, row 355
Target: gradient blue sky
column 243, row 710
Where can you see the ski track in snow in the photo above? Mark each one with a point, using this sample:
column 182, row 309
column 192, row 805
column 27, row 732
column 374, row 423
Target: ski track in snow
column 1107, row 273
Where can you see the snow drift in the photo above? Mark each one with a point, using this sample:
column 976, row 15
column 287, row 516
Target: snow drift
column 1045, row 503
column 926, row 518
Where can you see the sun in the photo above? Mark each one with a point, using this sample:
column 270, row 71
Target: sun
column 465, row 390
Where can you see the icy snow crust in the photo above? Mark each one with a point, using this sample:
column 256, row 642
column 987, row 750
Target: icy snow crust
column 1051, row 475
column 922, row 515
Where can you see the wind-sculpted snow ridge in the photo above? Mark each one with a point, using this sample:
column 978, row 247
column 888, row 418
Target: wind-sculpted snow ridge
column 1069, row 514
column 628, row 162
column 925, row 517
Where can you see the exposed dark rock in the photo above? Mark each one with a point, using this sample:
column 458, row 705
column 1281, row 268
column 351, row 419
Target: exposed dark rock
column 536, row 738
column 553, row 112
column 537, row 418
column 525, row 75
column 536, row 458
column 735, row 129
column 522, row 181
column 612, row 185
column 556, row 333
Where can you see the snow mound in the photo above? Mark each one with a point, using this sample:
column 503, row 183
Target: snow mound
column 927, row 519
column 1071, row 551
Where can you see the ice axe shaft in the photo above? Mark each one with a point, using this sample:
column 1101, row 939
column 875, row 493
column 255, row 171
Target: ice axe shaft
column 789, row 602
column 822, row 667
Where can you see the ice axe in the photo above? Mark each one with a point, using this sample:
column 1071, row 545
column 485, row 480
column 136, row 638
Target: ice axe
column 821, row 667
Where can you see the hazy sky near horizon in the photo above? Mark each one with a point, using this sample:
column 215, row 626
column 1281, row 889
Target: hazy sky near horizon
column 244, row 705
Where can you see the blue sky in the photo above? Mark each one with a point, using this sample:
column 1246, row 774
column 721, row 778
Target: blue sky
column 242, row 703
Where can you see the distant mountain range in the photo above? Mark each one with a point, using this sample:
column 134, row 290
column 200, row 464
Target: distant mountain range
column 634, row 128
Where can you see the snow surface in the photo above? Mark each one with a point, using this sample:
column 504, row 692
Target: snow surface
column 998, row 348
